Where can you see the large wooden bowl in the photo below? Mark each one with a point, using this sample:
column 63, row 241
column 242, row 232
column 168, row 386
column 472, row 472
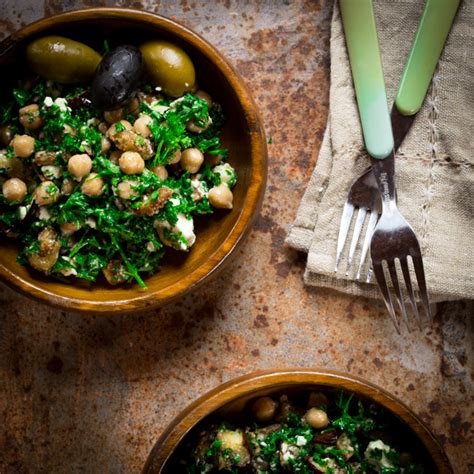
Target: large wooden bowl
column 231, row 400
column 243, row 135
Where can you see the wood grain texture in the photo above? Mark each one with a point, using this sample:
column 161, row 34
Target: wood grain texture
column 217, row 236
column 233, row 397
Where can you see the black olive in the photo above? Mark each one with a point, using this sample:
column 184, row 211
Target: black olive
column 117, row 77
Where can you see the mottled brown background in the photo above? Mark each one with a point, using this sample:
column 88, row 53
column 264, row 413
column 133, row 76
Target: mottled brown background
column 92, row 394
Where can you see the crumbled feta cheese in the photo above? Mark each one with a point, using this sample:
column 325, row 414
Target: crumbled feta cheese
column 150, row 247
column 301, row 441
column 22, row 211
column 176, row 101
column 287, row 452
column 91, row 222
column 226, row 172
column 161, row 109
column 68, row 271
column 175, row 201
column 199, row 189
column 44, row 214
column 51, row 171
column 86, row 147
column 48, row 101
column 61, row 102
column 376, row 454
column 93, row 121
column 182, row 232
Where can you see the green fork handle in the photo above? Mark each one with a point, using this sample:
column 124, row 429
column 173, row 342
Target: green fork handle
column 424, row 54
column 364, row 54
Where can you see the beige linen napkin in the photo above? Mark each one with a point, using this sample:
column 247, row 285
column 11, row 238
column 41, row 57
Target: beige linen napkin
column 434, row 166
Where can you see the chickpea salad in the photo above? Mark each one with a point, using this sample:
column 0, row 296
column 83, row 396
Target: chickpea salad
column 331, row 433
column 108, row 159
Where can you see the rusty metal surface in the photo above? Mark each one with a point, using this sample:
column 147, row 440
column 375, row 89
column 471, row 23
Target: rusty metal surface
column 92, row 394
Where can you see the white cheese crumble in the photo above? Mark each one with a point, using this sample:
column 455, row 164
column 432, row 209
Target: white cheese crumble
column 182, row 232
column 86, row 147
column 61, row 102
column 161, row 109
column 51, row 171
column 44, row 214
column 150, row 247
column 48, row 101
column 199, row 189
column 379, row 460
column 93, row 121
column 68, row 271
column 287, row 452
column 22, row 211
column 225, row 171
column 301, row 441
column 91, row 222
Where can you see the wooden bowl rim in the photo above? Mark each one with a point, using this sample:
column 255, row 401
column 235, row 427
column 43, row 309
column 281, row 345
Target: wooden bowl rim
column 273, row 379
column 240, row 229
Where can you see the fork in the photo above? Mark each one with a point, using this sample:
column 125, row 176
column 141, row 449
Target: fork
column 391, row 238
column 364, row 196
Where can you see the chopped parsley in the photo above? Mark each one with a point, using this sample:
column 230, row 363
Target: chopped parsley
column 112, row 235
column 288, row 444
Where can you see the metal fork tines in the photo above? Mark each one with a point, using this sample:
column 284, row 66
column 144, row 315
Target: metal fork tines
column 393, row 239
column 364, row 197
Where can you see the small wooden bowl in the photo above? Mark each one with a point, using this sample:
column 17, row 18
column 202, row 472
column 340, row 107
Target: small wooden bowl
column 231, row 400
column 243, row 135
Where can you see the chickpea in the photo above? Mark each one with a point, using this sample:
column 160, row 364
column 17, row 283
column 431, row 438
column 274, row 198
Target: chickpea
column 13, row 166
column 105, row 145
column 103, row 127
column 113, row 128
column 191, row 160
column 212, row 160
column 114, row 156
column 317, row 399
column 79, row 165
column 175, row 157
column 316, row 418
column 68, row 228
column 93, row 185
column 23, row 146
column 67, row 187
column 221, row 197
column 161, row 172
column 133, row 107
column 46, row 193
column 68, row 130
column 204, row 95
column 131, row 162
column 30, row 117
column 141, row 125
column 125, row 189
column 191, row 126
column 14, row 190
column 112, row 116
column 6, row 134
column 264, row 408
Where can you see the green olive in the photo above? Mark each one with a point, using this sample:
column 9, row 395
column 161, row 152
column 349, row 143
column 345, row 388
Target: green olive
column 169, row 67
column 62, row 60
